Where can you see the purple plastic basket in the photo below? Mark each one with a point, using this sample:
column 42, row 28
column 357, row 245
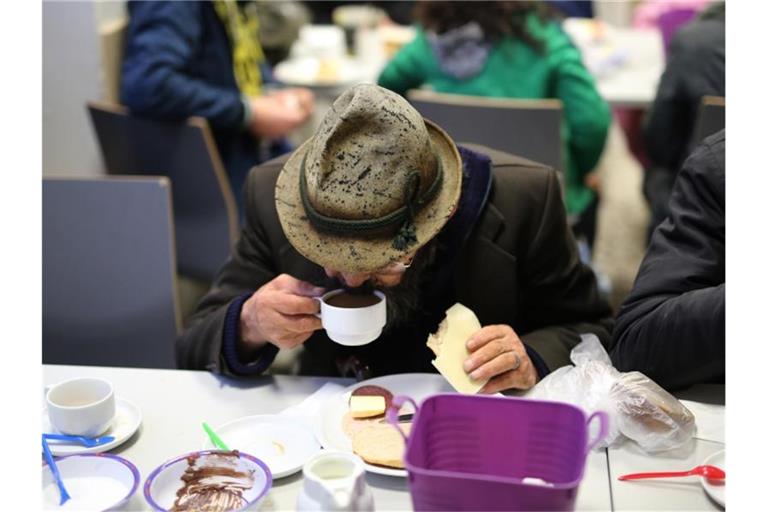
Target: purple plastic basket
column 471, row 452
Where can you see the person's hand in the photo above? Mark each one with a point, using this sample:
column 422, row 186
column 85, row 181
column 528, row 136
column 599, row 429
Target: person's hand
column 297, row 97
column 496, row 353
column 281, row 312
column 278, row 114
column 592, row 180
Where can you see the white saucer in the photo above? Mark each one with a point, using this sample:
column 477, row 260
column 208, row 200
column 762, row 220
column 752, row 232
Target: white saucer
column 715, row 491
column 126, row 422
column 284, row 444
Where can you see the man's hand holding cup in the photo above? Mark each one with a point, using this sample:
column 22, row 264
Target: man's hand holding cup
column 281, row 312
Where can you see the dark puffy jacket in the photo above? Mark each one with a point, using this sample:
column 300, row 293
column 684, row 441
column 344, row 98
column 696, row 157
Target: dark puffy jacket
column 178, row 63
column 695, row 68
column 671, row 327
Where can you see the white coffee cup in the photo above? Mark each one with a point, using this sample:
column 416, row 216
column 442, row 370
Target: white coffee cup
column 353, row 326
column 81, row 407
column 334, row 480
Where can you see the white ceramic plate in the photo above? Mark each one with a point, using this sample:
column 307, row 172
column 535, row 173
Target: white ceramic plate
column 305, row 72
column 715, row 491
column 124, row 425
column 94, row 482
column 282, row 443
column 415, row 385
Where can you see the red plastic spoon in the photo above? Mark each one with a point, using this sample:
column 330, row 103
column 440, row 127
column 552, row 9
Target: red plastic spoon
column 708, row 472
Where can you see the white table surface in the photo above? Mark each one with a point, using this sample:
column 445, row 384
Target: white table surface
column 670, row 494
column 634, row 82
column 174, row 403
column 667, row 494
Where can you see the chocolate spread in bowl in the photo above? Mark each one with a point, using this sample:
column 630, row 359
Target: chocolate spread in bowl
column 215, row 484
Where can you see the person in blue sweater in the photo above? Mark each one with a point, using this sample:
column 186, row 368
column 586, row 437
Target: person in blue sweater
column 185, row 59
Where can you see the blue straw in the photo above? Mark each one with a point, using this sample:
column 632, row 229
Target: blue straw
column 52, row 464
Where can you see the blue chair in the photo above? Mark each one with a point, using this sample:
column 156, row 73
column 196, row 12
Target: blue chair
column 109, row 272
column 530, row 128
column 204, row 207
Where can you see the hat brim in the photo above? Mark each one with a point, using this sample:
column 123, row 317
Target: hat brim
column 354, row 254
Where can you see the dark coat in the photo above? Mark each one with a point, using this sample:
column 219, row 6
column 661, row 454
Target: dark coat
column 671, row 327
column 695, row 68
column 519, row 266
column 177, row 63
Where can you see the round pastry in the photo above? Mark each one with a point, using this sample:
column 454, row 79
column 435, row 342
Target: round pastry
column 352, row 425
column 381, row 444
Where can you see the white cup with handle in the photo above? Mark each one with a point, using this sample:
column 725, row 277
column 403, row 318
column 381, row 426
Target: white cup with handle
column 353, row 319
column 81, row 407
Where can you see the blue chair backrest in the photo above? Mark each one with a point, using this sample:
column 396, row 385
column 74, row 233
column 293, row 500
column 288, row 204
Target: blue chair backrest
column 204, row 208
column 109, row 271
column 523, row 127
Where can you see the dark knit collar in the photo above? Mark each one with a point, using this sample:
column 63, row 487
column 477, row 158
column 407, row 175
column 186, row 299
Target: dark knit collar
column 475, row 188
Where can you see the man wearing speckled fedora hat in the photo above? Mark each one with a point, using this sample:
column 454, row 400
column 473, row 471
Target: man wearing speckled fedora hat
column 382, row 198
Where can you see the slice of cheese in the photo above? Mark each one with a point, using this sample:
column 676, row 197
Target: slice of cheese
column 450, row 343
column 367, row 406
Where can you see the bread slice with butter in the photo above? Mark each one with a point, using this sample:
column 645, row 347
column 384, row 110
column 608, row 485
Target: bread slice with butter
column 367, row 406
column 449, row 344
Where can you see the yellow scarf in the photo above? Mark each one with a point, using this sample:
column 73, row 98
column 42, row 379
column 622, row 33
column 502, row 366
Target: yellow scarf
column 243, row 31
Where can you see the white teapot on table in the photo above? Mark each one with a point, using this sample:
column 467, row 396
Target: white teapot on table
column 335, row 480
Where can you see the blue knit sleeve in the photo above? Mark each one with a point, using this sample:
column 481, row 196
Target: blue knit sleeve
column 538, row 362
column 230, row 336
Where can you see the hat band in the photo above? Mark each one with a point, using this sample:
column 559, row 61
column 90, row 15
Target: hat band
column 403, row 216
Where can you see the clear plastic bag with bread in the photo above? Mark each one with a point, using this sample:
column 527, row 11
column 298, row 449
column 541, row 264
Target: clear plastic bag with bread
column 639, row 409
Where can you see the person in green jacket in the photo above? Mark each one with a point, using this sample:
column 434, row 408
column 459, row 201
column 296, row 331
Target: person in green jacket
column 510, row 50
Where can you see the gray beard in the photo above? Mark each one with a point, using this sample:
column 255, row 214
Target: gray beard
column 404, row 300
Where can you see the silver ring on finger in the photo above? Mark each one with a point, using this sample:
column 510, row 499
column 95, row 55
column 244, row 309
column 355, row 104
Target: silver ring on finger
column 517, row 360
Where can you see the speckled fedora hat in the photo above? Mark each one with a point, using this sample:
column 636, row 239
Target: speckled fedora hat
column 376, row 182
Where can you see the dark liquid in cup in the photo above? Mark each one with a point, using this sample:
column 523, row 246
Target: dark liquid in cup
column 352, row 300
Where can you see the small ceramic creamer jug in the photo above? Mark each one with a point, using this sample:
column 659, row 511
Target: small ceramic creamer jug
column 335, row 480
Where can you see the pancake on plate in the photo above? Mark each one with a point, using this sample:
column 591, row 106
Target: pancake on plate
column 374, row 440
column 381, row 444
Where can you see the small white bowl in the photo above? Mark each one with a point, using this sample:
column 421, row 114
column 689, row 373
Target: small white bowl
column 95, row 481
column 162, row 484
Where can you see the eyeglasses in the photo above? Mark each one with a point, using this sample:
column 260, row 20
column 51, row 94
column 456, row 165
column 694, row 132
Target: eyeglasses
column 396, row 268
column 393, row 269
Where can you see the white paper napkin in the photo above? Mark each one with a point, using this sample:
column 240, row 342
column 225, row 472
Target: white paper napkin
column 309, row 410
column 710, row 420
